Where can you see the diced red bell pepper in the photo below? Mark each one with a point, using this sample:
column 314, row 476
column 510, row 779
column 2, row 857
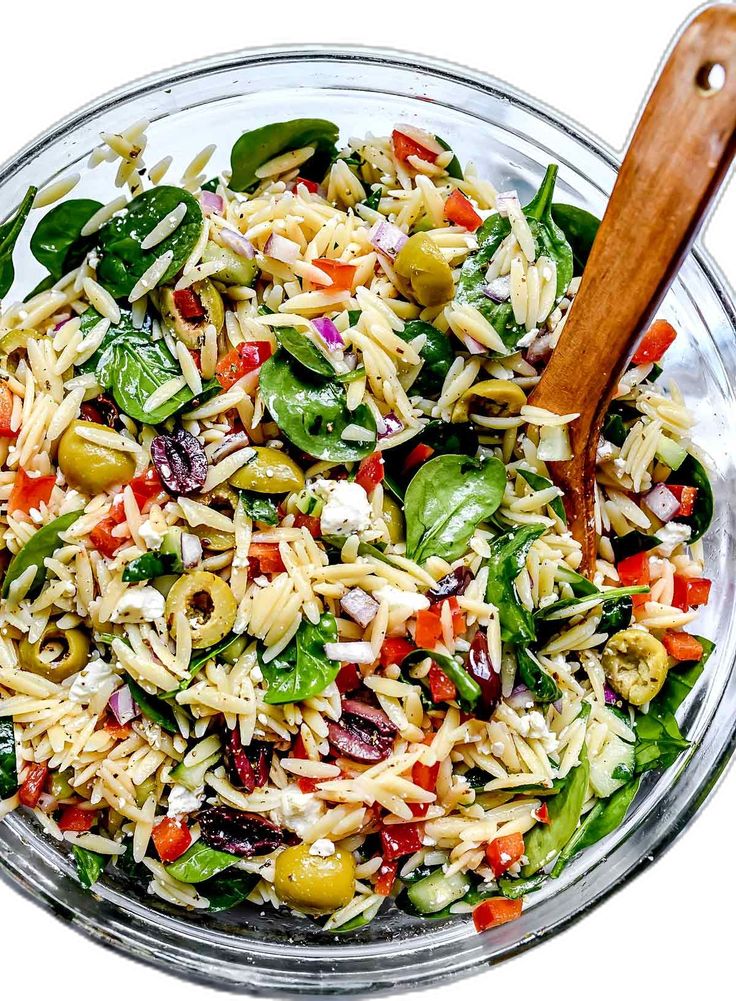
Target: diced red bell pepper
column 424, row 776
column 458, row 209
column 428, row 630
column 32, row 785
column 29, row 492
column 171, row 838
column 398, row 840
column 496, row 911
column 394, row 649
column 686, row 496
column 120, row 731
column 146, row 487
column 311, row 186
column 348, row 678
column 440, row 687
column 102, row 538
column 342, row 275
column 370, row 472
column 654, row 343
column 418, row 455
column 503, row 852
column 306, row 784
column 74, row 818
column 458, row 616
column 682, row 646
column 298, row 749
column 634, row 571
column 385, row 878
column 268, row 556
column 6, row 411
column 308, row 521
column 188, row 304
column 690, row 592
column 245, row 358
column 542, row 814
column 405, row 146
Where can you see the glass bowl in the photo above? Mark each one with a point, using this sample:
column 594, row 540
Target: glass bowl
column 511, row 138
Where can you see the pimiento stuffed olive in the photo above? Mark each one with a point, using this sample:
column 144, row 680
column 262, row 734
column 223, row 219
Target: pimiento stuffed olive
column 208, row 604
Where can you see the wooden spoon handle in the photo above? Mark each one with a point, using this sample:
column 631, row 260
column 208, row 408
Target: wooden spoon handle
column 679, row 154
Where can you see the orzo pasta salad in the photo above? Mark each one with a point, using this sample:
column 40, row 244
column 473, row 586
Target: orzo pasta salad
column 290, row 611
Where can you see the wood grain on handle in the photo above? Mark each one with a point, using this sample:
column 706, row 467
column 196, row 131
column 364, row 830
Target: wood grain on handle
column 677, row 159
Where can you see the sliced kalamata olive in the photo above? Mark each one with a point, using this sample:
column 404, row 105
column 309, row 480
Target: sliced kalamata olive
column 247, row 766
column 364, row 733
column 101, row 410
column 180, row 461
column 480, row 668
column 453, row 583
column 244, row 834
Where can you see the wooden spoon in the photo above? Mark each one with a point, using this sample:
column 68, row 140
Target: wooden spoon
column 683, row 146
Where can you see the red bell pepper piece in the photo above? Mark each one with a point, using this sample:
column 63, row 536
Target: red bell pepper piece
column 298, row 749
column 6, row 412
column 654, row 343
column 32, row 786
column 440, row 687
column 496, row 911
column 458, row 209
column 268, row 556
column 370, row 472
column 342, row 275
column 308, row 521
column 188, row 304
column 634, row 571
column 424, row 776
column 385, row 878
column 682, row 646
column 690, row 592
column 245, row 358
column 120, row 731
column 102, row 538
column 311, row 186
column 502, row 853
column 146, row 487
column 171, row 838
column 686, row 496
column 400, row 839
column 348, row 678
column 418, row 455
column 394, row 649
column 428, row 630
column 74, row 818
column 29, row 492
column 405, row 146
column 542, row 814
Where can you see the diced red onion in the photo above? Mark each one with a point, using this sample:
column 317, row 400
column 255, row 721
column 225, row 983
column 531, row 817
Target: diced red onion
column 350, row 653
column 387, row 238
column 238, row 244
column 281, row 249
column 191, row 550
column 328, row 332
column 498, row 290
column 473, row 346
column 230, row 443
column 662, row 502
column 610, row 696
column 360, row 606
column 540, row 350
column 391, row 425
column 123, row 706
column 558, row 705
column 506, row 202
column 211, row 202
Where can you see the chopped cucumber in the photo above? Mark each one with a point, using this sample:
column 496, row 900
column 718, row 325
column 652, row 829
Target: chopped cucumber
column 613, row 765
column 171, row 546
column 670, row 453
column 192, row 776
column 435, row 892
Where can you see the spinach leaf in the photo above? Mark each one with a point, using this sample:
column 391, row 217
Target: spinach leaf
column 515, row 888
column 258, row 146
column 148, row 566
column 580, row 228
column 437, row 355
column 259, row 507
column 453, row 168
column 153, row 707
column 57, row 241
column 537, row 482
column 445, row 502
column 442, row 437
column 41, row 545
column 9, row 233
column 301, row 348
column 374, row 199
column 602, row 820
column 313, row 413
column 468, row 689
column 615, row 615
column 587, row 602
column 692, row 474
column 135, row 872
column 614, row 429
column 534, row 676
column 303, row 669
column 228, row 890
column 659, row 740
column 122, row 259
column 550, row 241
column 507, row 559
column 632, row 543
column 89, row 865
column 580, row 585
column 134, row 366
column 199, row 863
column 8, row 764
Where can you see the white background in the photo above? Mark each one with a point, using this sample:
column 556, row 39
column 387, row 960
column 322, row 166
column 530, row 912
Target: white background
column 670, row 932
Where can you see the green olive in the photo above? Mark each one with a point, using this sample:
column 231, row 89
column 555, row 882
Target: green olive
column 89, row 467
column 208, row 604
column 494, row 398
column 191, row 331
column 636, row 665
column 235, row 270
column 13, row 343
column 421, row 263
column 57, row 655
column 165, row 583
column 60, row 786
column 145, row 789
column 231, row 653
column 225, row 500
column 312, row 883
column 394, row 518
column 270, row 471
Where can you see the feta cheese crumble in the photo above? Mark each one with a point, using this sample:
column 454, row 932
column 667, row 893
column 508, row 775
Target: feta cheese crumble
column 152, row 538
column 183, row 800
column 347, row 509
column 141, row 604
column 671, row 536
column 298, row 810
column 322, row 847
column 96, row 679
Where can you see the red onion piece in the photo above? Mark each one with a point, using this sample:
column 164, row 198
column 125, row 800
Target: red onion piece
column 237, row 243
column 360, row 606
column 191, row 550
column 391, row 425
column 473, row 346
column 328, row 332
column 662, row 502
column 123, row 706
column 610, row 696
column 498, row 290
column 540, row 350
column 350, row 653
column 281, row 249
column 211, row 202
column 230, row 443
column 387, row 238
column 453, row 583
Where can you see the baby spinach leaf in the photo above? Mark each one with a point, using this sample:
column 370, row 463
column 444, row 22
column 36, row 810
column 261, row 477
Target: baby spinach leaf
column 122, row 259
column 41, row 545
column 602, row 820
column 615, row 615
column 632, row 543
column 587, row 602
column 515, row 888
column 550, row 241
column 507, row 559
column 534, row 676
column 301, row 348
column 228, row 890
column 468, row 689
column 9, row 233
column 153, row 707
column 312, row 412
column 453, row 168
column 614, row 429
column 374, row 199
column 148, row 566
column 303, row 669
column 57, row 241
column 259, row 507
column 258, row 146
column 580, row 228
column 580, row 585
column 437, row 355
column 537, row 482
column 134, row 872
column 199, row 863
column 445, row 502
column 89, row 865
column 692, row 474
column 8, row 764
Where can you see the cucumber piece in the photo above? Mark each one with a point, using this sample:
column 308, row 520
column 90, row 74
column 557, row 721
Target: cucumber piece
column 435, row 892
column 670, row 453
column 613, row 766
column 171, row 546
column 192, row 776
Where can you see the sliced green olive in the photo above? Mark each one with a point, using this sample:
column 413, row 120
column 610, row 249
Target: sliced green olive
column 15, row 342
column 235, row 269
column 494, row 398
column 165, row 583
column 57, row 655
column 231, row 653
column 145, row 789
column 421, row 264
column 206, row 309
column 312, row 883
column 60, row 786
column 225, row 500
column 393, row 516
column 208, row 604
column 90, row 467
column 270, row 471
column 636, row 665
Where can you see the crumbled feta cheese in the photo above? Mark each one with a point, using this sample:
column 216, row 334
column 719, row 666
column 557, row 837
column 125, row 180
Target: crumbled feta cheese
column 183, row 800
column 497, row 748
column 298, row 810
column 534, row 726
column 401, row 604
column 152, row 538
column 606, row 450
column 322, row 847
column 347, row 509
column 671, row 536
column 97, row 678
column 528, row 338
column 140, row 604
